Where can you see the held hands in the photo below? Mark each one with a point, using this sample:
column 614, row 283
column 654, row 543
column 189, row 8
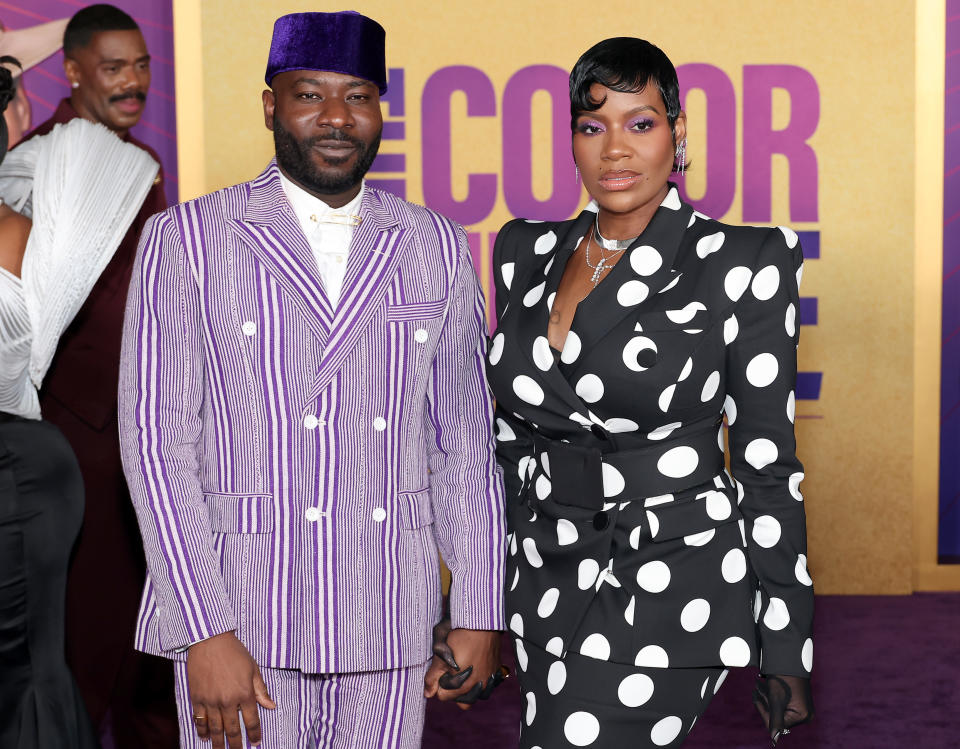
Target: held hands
column 783, row 702
column 465, row 666
column 224, row 680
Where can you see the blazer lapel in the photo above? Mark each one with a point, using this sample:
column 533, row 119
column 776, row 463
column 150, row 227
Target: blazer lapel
column 269, row 229
column 646, row 269
column 375, row 253
column 536, row 298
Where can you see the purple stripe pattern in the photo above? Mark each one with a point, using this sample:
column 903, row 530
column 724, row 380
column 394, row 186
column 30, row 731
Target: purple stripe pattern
column 378, row 710
column 296, row 467
column 949, row 541
column 46, row 84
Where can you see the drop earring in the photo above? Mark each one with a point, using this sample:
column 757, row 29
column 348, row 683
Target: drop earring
column 75, row 84
column 681, row 156
column 577, row 169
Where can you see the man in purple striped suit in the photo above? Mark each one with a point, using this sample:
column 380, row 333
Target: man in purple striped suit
column 305, row 422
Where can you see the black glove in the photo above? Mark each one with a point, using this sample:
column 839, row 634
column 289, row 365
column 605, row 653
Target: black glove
column 441, row 650
column 783, row 702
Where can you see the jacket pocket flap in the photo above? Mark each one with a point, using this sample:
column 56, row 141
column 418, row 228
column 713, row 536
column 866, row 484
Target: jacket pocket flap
column 240, row 513
column 416, row 508
column 692, row 516
column 416, row 311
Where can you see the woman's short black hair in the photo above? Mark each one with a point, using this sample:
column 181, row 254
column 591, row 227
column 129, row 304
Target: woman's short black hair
column 625, row 64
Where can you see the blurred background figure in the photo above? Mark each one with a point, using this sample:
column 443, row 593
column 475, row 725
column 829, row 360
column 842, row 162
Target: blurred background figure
column 80, row 176
column 28, row 46
column 128, row 694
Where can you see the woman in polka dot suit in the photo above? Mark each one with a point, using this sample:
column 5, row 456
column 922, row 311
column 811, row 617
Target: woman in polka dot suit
column 639, row 569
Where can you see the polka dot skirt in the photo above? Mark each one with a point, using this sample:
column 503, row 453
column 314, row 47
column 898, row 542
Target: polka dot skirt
column 579, row 701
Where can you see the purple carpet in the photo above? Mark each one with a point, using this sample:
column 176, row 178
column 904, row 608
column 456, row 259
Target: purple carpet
column 886, row 676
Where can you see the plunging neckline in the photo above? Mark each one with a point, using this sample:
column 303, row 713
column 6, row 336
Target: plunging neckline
column 590, row 293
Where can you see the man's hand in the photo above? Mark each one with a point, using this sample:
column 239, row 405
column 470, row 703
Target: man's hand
column 475, row 657
column 224, row 680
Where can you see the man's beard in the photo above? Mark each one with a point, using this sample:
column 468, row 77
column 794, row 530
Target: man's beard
column 294, row 157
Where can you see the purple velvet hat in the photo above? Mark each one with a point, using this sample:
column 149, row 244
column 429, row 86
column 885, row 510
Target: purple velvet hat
column 344, row 42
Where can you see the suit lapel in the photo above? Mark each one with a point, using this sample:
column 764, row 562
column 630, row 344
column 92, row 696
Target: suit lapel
column 375, row 252
column 631, row 285
column 532, row 321
column 646, row 269
column 269, row 229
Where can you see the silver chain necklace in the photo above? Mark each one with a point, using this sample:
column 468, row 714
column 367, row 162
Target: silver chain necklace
column 614, row 246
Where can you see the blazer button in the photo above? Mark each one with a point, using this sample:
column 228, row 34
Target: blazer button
column 379, row 423
column 420, row 335
column 379, row 514
column 600, row 521
column 249, row 328
column 310, row 421
column 312, row 514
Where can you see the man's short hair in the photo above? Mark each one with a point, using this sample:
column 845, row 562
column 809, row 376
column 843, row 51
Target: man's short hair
column 92, row 20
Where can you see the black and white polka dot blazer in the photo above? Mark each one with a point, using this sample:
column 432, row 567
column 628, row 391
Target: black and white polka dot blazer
column 629, row 540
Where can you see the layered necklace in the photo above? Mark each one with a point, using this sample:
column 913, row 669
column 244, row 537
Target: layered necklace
column 614, row 246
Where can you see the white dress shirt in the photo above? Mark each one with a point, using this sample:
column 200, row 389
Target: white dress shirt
column 329, row 239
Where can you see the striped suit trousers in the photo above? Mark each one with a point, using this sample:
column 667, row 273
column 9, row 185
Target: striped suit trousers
column 365, row 710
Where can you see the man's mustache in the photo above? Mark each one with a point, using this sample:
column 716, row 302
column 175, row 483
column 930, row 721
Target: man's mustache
column 132, row 95
column 333, row 134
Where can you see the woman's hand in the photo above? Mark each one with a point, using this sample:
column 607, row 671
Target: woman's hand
column 783, row 702
column 479, row 650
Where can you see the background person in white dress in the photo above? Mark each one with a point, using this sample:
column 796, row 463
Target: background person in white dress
column 65, row 209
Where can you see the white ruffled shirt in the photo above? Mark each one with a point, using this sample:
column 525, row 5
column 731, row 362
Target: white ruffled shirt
column 82, row 187
column 329, row 239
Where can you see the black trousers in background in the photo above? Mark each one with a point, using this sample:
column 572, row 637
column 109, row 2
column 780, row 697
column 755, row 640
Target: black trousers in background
column 128, row 694
column 41, row 506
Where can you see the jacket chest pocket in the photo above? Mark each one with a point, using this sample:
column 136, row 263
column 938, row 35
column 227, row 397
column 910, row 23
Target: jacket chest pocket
column 416, row 327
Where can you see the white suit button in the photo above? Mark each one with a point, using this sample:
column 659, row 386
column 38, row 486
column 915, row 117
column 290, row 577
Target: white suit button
column 379, row 423
column 313, row 514
column 310, row 421
column 379, row 514
column 420, row 336
column 249, row 328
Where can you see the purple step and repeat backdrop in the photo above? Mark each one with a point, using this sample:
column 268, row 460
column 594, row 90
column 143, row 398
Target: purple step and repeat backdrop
column 950, row 382
column 46, row 84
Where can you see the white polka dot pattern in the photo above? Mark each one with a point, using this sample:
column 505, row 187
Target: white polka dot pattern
column 545, row 243
column 645, row 260
column 632, row 293
column 581, row 728
column 556, row 677
column 635, row 690
column 548, row 603
column 652, row 355
column 652, row 656
column 709, row 244
column 596, row 646
column 666, row 730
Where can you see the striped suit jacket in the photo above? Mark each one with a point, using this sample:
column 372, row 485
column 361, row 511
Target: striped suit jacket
column 296, row 467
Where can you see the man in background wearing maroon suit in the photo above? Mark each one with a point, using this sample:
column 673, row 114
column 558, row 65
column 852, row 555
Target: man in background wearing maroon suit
column 108, row 67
